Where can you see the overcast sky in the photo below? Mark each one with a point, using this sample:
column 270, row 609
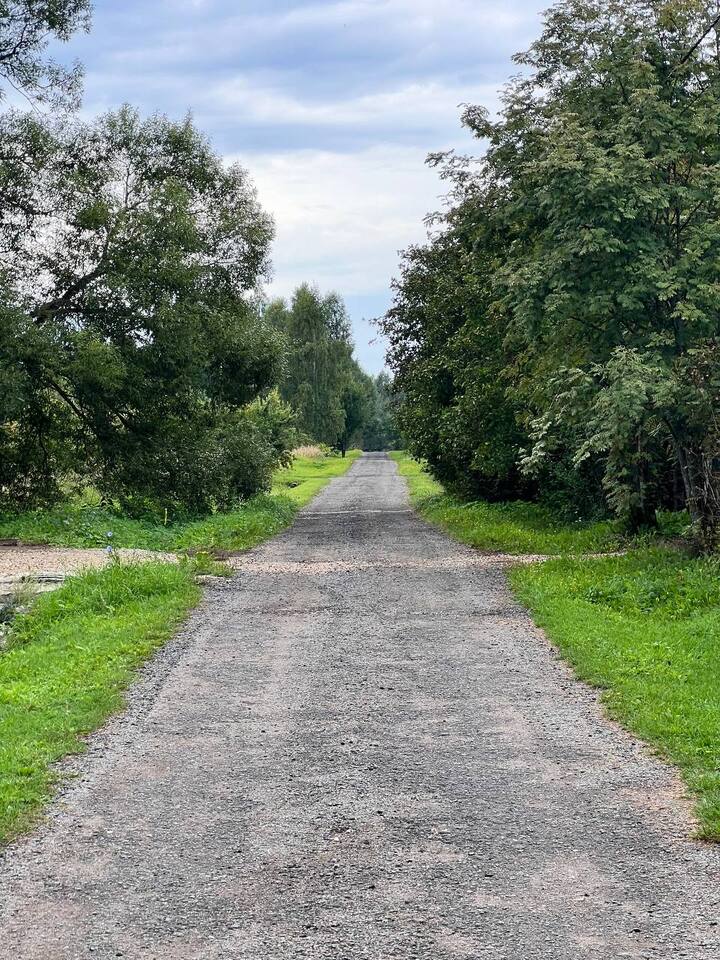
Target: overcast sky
column 332, row 106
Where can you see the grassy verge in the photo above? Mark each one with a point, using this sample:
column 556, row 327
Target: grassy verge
column 643, row 627
column 86, row 524
column 520, row 528
column 66, row 664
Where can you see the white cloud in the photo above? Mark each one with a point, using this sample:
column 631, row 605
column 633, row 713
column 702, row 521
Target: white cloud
column 341, row 218
column 330, row 105
column 428, row 104
column 411, row 14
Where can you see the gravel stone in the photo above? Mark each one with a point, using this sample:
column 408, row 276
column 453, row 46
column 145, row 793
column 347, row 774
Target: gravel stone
column 362, row 747
column 27, row 562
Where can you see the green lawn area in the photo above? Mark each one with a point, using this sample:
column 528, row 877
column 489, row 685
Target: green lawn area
column 643, row 627
column 66, row 665
column 83, row 523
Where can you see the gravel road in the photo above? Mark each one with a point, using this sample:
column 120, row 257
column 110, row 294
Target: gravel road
column 361, row 747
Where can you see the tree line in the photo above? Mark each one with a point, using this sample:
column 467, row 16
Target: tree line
column 336, row 402
column 137, row 353
column 558, row 336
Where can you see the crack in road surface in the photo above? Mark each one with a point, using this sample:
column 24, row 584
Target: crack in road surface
column 384, row 761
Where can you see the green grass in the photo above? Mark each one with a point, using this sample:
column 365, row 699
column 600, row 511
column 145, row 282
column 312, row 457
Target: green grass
column 643, row 627
column 66, row 665
column 646, row 629
column 83, row 523
column 519, row 528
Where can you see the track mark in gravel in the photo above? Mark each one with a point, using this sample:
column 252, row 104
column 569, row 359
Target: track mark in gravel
column 313, row 568
column 362, row 747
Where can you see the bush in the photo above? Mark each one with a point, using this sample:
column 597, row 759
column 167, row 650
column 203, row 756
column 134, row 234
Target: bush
column 208, row 463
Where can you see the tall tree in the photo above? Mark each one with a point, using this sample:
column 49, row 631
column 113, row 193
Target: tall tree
column 322, row 381
column 615, row 168
column 380, row 430
column 132, row 344
column 601, row 180
column 447, row 348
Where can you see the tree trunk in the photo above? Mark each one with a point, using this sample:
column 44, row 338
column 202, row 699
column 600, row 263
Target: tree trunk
column 705, row 500
column 643, row 511
column 700, row 473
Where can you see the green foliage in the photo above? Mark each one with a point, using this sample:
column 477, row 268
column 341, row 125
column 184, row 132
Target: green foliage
column 380, row 430
column 66, row 666
column 354, row 400
column 446, row 347
column 565, row 314
column 26, row 27
column 646, row 629
column 323, row 383
column 134, row 355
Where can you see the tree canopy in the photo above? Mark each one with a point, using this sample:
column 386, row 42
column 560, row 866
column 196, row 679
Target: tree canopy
column 563, row 319
column 133, row 340
column 322, row 382
column 26, row 27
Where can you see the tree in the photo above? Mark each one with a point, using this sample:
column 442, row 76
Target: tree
column 380, row 430
column 354, row 401
column 615, row 168
column 26, row 26
column 447, row 349
column 597, row 202
column 133, row 343
column 322, row 381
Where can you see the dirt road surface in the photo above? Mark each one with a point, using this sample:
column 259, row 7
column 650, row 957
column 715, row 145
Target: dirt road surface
column 362, row 748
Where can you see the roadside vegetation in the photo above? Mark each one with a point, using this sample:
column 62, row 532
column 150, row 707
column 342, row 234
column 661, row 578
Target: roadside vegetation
column 65, row 664
column 513, row 527
column 139, row 358
column 645, row 628
column 557, row 338
column 83, row 522
column 334, row 401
